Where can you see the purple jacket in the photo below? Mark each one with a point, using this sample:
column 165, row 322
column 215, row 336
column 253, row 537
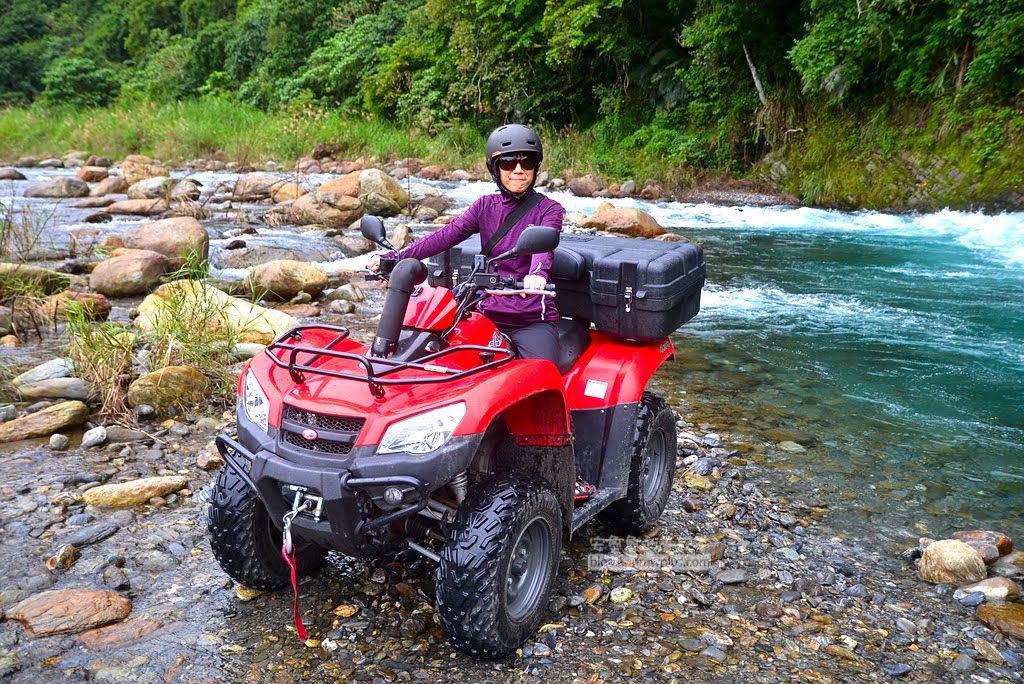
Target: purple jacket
column 485, row 216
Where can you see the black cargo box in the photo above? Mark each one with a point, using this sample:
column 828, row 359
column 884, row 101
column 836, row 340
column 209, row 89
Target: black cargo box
column 630, row 287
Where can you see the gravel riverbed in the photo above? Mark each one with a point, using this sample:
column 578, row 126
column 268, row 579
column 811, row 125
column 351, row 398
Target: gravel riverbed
column 736, row 584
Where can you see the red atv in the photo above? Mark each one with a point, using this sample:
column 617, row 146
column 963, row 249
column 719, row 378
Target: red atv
column 437, row 438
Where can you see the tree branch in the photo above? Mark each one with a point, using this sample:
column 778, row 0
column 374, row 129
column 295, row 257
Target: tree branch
column 753, row 72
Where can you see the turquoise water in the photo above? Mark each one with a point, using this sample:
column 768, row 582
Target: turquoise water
column 894, row 344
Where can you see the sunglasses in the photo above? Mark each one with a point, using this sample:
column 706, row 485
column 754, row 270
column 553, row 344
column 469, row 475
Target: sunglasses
column 508, row 162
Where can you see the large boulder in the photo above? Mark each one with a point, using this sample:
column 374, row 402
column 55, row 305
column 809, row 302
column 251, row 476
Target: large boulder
column 92, row 174
column 286, row 192
column 951, row 561
column 586, row 186
column 175, row 238
column 137, row 167
column 129, row 273
column 202, row 304
column 58, row 188
column 256, row 186
column 340, row 212
column 247, row 257
column 178, row 386
column 9, row 173
column 347, row 185
column 284, row 279
column 111, row 185
column 381, row 194
column 623, row 220
column 171, row 189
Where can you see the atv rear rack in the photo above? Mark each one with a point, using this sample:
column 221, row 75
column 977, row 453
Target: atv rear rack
column 377, row 369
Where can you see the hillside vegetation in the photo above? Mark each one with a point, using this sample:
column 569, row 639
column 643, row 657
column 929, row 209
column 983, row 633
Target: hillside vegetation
column 857, row 98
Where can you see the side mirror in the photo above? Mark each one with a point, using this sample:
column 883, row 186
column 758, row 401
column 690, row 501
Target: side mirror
column 533, row 240
column 537, row 240
column 372, row 228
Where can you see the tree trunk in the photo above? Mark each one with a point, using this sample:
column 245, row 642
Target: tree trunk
column 753, row 72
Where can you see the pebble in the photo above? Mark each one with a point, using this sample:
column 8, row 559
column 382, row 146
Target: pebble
column 94, row 437
column 896, row 669
column 734, row 576
column 972, row 599
column 59, row 442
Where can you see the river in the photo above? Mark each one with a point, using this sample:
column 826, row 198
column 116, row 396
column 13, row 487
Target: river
column 876, row 360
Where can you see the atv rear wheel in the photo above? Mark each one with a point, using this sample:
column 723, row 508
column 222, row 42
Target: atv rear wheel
column 652, row 468
column 245, row 540
column 498, row 567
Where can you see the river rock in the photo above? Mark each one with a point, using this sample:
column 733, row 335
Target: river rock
column 134, row 492
column 111, row 185
column 92, row 203
column 951, row 561
column 381, row 194
column 340, row 212
column 175, row 238
column 61, row 611
column 129, row 273
column 1010, row 565
column 93, row 305
column 178, row 386
column 171, row 189
column 63, row 559
column 994, row 589
column 139, row 207
column 1007, row 618
column 137, row 167
column 218, row 311
column 45, row 422
column 49, row 370
column 58, row 388
column 116, row 635
column 980, row 538
column 247, row 257
column 256, row 186
column 284, row 279
column 9, row 173
column 623, row 221
column 92, row 174
column 347, row 185
column 586, row 186
column 355, row 245
column 286, row 191
column 58, row 188
column 15, row 279
column 94, row 437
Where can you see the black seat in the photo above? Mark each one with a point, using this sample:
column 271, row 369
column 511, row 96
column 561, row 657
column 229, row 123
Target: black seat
column 573, row 340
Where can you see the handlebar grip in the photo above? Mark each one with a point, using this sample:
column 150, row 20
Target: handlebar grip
column 518, row 285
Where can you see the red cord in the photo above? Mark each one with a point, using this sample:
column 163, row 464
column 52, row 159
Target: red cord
column 290, row 560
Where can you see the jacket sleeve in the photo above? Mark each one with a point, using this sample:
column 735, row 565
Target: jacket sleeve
column 445, row 237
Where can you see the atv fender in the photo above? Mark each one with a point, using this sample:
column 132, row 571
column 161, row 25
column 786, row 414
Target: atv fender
column 613, row 371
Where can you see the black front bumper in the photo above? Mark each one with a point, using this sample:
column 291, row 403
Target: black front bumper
column 354, row 516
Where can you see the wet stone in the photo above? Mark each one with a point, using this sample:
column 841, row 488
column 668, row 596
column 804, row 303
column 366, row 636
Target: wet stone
column 895, row 669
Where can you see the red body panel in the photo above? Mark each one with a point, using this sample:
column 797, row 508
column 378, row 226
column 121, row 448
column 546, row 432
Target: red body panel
column 613, row 371
column 430, row 308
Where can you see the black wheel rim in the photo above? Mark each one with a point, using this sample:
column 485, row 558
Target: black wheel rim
column 528, row 568
column 655, row 465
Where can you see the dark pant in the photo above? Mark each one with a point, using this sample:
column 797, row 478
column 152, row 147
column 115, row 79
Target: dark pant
column 535, row 341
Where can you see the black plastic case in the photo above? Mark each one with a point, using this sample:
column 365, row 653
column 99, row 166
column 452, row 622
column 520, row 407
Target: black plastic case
column 634, row 288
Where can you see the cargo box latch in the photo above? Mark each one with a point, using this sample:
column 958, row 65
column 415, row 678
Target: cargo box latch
column 629, row 299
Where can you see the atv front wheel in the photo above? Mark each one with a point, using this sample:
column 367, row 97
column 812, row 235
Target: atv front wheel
column 651, row 470
column 245, row 540
column 498, row 567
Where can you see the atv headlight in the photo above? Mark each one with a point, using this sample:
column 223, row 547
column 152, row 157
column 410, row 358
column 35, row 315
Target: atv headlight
column 423, row 433
column 254, row 401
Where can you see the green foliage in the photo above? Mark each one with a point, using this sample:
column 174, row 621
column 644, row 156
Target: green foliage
column 77, row 81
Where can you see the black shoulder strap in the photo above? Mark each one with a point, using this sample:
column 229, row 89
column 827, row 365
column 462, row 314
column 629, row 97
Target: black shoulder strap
column 513, row 218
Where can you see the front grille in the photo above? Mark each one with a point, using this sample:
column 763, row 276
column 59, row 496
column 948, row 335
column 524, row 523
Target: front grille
column 343, row 430
column 323, row 421
column 327, row 446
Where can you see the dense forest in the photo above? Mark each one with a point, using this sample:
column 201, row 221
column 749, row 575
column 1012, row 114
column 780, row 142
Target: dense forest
column 714, row 84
